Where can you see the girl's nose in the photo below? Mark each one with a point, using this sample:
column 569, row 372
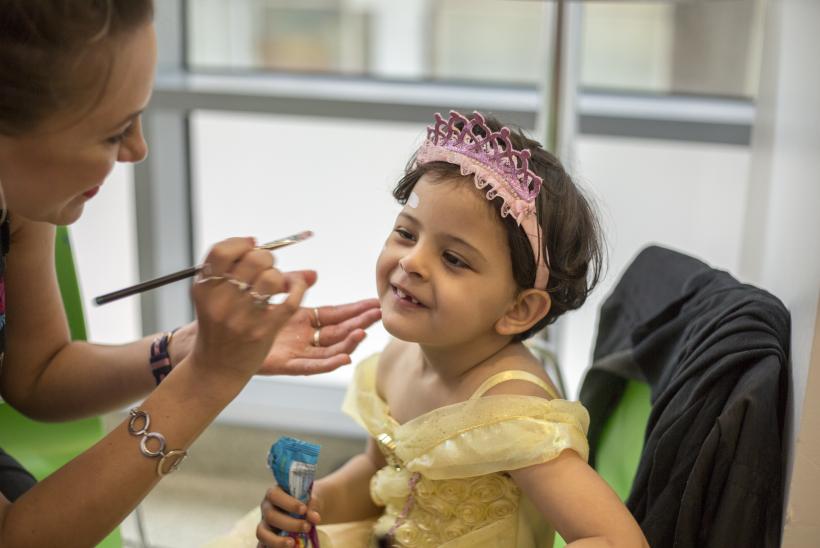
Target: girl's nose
column 413, row 264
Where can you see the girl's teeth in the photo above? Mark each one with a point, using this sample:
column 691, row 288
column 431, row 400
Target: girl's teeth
column 403, row 295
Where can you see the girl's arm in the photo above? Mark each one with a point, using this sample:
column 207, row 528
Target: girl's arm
column 344, row 495
column 339, row 497
column 84, row 500
column 579, row 503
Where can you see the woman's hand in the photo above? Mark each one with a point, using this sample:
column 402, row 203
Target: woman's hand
column 236, row 326
column 293, row 353
column 341, row 329
column 275, row 509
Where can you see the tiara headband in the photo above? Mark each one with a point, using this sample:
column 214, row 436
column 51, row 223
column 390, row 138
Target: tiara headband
column 493, row 161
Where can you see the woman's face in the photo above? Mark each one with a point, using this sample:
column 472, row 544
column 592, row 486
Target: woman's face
column 49, row 173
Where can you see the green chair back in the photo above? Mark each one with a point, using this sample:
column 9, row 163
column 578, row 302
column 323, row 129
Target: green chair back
column 44, row 447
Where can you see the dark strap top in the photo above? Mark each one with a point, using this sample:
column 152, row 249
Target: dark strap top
column 4, row 249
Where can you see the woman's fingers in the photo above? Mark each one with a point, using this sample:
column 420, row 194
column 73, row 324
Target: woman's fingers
column 251, row 265
column 334, row 333
column 309, row 276
column 221, row 258
column 332, row 315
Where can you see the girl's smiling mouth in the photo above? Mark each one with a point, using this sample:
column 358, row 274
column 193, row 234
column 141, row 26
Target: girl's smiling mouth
column 405, row 297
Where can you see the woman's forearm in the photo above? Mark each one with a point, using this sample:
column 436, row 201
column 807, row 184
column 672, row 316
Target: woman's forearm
column 83, row 501
column 81, row 380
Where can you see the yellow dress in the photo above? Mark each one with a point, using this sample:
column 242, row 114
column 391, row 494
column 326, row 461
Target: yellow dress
column 454, row 461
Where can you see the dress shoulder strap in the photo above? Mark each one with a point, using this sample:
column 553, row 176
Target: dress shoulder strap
column 517, row 375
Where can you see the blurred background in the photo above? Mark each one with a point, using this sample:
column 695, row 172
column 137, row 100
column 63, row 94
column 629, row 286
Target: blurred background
column 689, row 124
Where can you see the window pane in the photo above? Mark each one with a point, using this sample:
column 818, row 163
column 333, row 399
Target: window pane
column 289, row 173
column 710, row 48
column 411, row 39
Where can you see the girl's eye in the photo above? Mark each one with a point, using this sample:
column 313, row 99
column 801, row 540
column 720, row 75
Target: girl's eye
column 404, row 234
column 453, row 260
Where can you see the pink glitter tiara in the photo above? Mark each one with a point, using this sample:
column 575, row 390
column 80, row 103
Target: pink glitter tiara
column 493, row 161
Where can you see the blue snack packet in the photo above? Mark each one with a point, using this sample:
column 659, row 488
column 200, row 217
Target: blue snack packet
column 293, row 463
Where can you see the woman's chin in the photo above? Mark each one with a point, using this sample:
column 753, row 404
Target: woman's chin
column 68, row 215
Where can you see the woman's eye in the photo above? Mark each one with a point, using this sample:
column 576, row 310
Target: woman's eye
column 454, row 260
column 120, row 137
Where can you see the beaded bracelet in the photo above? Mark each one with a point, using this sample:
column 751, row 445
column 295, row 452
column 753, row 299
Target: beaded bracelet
column 175, row 456
column 160, row 358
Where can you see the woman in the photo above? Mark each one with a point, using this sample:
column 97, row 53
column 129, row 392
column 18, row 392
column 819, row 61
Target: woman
column 76, row 75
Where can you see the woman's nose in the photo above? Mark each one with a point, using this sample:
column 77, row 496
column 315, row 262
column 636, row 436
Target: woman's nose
column 134, row 149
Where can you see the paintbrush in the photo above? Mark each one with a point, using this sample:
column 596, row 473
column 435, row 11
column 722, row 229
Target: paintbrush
column 189, row 272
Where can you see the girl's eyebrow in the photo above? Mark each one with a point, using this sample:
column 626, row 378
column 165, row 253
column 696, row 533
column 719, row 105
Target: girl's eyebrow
column 449, row 237
column 464, row 243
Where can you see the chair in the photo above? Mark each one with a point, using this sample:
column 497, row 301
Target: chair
column 701, row 465
column 44, row 447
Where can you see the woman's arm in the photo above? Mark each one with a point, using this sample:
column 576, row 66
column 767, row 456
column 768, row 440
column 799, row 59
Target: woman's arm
column 48, row 377
column 579, row 503
column 81, row 502
column 44, row 374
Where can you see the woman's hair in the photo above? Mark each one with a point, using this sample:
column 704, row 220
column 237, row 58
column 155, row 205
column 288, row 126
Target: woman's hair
column 571, row 231
column 44, row 44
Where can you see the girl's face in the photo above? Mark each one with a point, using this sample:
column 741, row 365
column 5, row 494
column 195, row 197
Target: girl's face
column 444, row 276
column 49, row 173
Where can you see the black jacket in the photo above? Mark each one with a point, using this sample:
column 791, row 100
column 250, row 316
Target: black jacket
column 715, row 354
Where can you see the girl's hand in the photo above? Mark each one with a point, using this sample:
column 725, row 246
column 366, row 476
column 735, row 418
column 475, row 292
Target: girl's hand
column 342, row 329
column 275, row 509
column 236, row 327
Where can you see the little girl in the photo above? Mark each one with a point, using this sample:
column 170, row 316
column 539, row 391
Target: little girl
column 470, row 443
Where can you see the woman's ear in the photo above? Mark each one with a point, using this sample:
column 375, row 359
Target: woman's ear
column 530, row 306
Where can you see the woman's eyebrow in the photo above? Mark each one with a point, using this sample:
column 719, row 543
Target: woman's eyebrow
column 127, row 119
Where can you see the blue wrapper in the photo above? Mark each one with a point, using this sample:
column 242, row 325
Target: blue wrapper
column 293, row 463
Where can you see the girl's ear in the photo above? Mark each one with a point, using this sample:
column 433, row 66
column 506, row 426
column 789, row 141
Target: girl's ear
column 530, row 306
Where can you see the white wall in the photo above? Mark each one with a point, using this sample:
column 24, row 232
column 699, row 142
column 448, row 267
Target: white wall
column 782, row 235
column 105, row 254
column 687, row 196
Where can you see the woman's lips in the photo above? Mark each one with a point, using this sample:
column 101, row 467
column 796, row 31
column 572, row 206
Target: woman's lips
column 91, row 193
